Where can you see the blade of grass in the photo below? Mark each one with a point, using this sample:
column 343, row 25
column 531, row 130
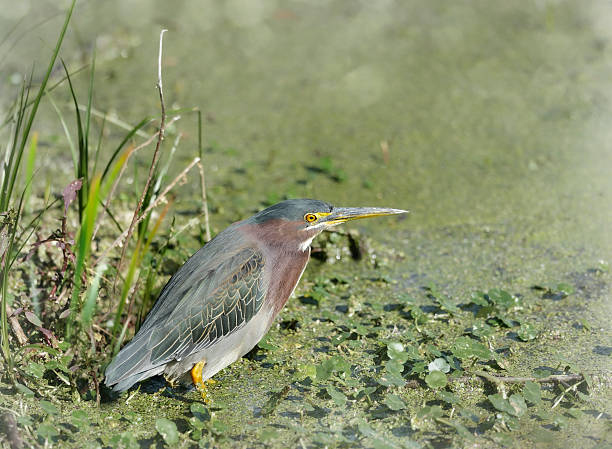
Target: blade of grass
column 29, row 172
column 113, row 120
column 156, row 226
column 88, row 113
column 81, row 167
column 161, row 176
column 155, row 185
column 111, row 216
column 160, row 138
column 11, row 150
column 30, row 229
column 8, row 258
column 110, row 180
column 131, row 151
column 82, row 252
column 89, row 306
column 97, row 154
column 204, row 209
column 127, row 137
column 147, row 298
column 13, row 256
column 106, row 191
column 33, row 224
column 8, row 236
column 134, row 261
column 73, row 150
column 180, row 177
column 141, row 228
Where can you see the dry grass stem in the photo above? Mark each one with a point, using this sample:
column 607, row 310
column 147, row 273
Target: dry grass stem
column 384, row 148
column 565, row 391
column 116, row 183
column 160, row 138
column 161, row 198
column 557, row 378
column 111, row 119
column 17, row 329
column 204, row 201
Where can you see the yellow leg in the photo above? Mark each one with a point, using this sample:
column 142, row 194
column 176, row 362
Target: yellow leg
column 196, row 373
column 196, row 377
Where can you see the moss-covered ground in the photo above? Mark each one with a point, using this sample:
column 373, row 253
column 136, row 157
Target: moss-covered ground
column 324, row 375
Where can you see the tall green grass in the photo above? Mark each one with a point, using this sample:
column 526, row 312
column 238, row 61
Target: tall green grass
column 83, row 273
column 97, row 194
column 22, row 126
column 29, row 170
column 83, row 128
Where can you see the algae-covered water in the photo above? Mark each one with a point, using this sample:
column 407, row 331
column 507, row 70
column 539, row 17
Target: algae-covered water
column 489, row 121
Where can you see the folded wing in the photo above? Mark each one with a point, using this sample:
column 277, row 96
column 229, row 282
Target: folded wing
column 198, row 307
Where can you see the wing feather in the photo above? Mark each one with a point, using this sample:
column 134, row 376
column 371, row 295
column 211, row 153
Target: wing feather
column 193, row 313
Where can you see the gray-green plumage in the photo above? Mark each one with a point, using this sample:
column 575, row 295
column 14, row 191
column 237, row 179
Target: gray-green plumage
column 232, row 303
column 182, row 323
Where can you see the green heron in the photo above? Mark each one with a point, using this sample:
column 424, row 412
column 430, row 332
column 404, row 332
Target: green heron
column 223, row 300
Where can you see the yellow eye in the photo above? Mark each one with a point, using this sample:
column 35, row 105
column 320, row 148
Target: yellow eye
column 310, row 218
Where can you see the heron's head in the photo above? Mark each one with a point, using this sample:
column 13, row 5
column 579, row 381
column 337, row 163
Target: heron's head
column 301, row 220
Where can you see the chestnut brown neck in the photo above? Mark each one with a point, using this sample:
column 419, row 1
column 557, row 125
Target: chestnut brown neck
column 281, row 241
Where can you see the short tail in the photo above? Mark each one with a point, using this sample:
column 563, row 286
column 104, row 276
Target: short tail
column 127, row 382
column 131, row 365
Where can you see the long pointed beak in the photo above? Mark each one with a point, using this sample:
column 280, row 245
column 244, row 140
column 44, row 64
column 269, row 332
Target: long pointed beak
column 341, row 214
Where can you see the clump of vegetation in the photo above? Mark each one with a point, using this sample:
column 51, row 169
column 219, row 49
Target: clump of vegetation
column 60, row 323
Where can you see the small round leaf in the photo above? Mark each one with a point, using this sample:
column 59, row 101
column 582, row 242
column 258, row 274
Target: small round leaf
column 439, row 364
column 167, row 429
column 436, row 379
column 49, row 407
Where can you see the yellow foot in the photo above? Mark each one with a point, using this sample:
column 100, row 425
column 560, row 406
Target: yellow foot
column 196, row 377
